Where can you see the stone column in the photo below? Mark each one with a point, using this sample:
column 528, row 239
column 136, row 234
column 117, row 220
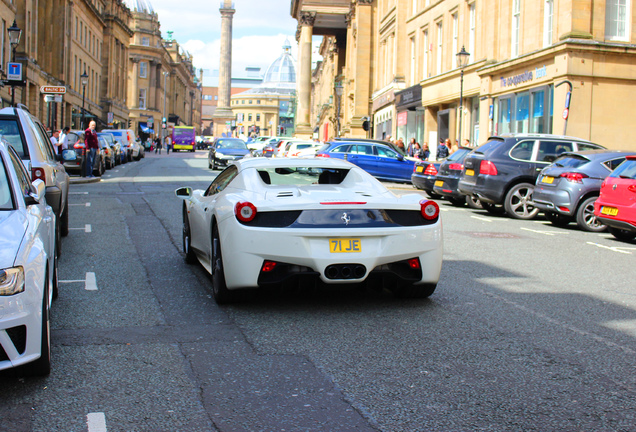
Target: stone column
column 134, row 102
column 223, row 111
column 158, row 85
column 303, row 123
column 152, row 85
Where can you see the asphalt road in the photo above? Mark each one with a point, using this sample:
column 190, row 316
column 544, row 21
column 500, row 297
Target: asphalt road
column 532, row 328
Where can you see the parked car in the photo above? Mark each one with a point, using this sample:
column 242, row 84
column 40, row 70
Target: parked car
column 28, row 137
column 75, row 156
column 504, row 170
column 28, row 267
column 274, row 219
column 118, row 154
column 616, row 204
column 566, row 190
column 447, row 179
column 375, row 157
column 108, row 152
column 424, row 176
column 267, row 151
column 294, row 148
column 226, row 150
column 128, row 140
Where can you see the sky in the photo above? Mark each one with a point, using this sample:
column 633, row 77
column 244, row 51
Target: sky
column 259, row 29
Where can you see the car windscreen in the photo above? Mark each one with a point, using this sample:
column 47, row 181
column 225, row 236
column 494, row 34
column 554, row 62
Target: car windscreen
column 10, row 132
column 183, row 133
column 626, row 170
column 231, row 144
column 6, row 200
column 73, row 139
column 301, row 176
column 571, row 161
column 108, row 137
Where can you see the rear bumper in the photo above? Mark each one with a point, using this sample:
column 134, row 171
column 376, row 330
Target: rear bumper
column 426, row 183
column 449, row 187
column 554, row 200
column 481, row 190
column 614, row 223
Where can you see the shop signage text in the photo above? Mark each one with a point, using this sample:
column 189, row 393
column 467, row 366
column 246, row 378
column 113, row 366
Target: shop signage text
column 524, row 77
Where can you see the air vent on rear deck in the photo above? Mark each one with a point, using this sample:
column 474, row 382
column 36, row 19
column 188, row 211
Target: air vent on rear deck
column 284, row 194
column 364, row 194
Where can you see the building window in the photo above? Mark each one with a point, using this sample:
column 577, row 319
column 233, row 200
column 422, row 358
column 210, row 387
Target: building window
column 250, row 102
column 471, row 33
column 143, row 69
column 547, row 22
column 249, row 117
column 440, row 40
column 142, row 98
column 425, row 55
column 414, row 7
column 216, row 98
column 243, row 101
column 516, row 23
column 413, row 60
column 258, row 102
column 455, row 40
column 616, row 20
column 258, row 117
column 145, row 41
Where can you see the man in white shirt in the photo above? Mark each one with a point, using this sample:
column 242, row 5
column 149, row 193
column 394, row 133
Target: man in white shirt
column 63, row 138
column 56, row 143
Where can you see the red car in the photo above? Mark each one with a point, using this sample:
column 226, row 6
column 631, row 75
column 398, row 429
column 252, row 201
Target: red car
column 616, row 206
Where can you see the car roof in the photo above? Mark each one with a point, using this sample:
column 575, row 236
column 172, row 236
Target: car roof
column 539, row 136
column 291, row 162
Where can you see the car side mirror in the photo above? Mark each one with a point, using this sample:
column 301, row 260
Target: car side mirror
column 184, row 193
column 38, row 193
column 400, row 157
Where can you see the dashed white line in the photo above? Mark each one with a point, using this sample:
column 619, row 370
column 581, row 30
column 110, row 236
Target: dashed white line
column 78, row 193
column 482, row 218
column 90, row 283
column 83, row 205
column 96, row 422
column 549, row 233
column 87, row 228
column 613, row 249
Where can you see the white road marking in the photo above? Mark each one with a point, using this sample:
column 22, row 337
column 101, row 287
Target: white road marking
column 78, row 193
column 549, row 233
column 90, row 283
column 87, row 228
column 614, row 249
column 482, row 218
column 83, row 205
column 96, row 422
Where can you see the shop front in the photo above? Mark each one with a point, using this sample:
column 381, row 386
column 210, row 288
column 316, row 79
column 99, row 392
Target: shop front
column 410, row 114
column 383, row 113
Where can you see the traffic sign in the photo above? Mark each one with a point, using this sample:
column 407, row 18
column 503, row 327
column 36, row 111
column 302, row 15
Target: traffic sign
column 53, row 89
column 14, row 71
column 52, row 98
column 566, row 112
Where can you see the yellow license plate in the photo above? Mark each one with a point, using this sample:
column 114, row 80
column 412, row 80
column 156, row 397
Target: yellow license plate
column 439, row 183
column 610, row 211
column 419, row 169
column 345, row 245
column 547, row 179
column 470, row 172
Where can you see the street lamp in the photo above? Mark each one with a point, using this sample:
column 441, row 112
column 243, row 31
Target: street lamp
column 462, row 61
column 14, row 39
column 164, row 123
column 339, row 90
column 84, row 82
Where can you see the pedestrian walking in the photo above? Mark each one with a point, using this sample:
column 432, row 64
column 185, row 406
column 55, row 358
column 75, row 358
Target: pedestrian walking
column 425, row 152
column 90, row 140
column 168, row 144
column 158, row 145
column 411, row 147
column 443, row 150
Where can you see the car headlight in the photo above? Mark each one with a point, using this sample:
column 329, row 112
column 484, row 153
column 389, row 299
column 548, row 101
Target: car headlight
column 11, row 281
column 219, row 154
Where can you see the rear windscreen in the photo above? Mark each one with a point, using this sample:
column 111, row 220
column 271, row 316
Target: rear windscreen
column 183, row 133
column 571, row 161
column 626, row 170
column 493, row 143
column 301, row 176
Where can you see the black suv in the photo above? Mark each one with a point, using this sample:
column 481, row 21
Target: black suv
column 504, row 170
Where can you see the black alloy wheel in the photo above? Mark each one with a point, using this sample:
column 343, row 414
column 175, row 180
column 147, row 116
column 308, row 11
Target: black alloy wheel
column 519, row 204
column 473, row 202
column 55, row 288
column 219, row 289
column 493, row 209
column 585, row 218
column 190, row 256
column 64, row 225
column 457, row 202
column 621, row 234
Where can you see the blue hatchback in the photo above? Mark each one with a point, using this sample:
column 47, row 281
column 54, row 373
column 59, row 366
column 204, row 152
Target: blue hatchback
column 380, row 160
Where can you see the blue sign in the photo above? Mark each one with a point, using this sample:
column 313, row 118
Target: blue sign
column 14, row 72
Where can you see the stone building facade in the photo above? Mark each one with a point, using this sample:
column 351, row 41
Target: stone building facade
column 528, row 62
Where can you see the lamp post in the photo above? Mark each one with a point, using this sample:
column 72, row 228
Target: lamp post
column 84, row 82
column 14, row 39
column 338, row 89
column 165, row 119
column 462, row 61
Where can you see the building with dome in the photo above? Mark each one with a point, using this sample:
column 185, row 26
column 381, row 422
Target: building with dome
column 269, row 108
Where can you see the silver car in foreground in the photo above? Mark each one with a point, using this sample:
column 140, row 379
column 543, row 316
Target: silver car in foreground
column 566, row 190
column 28, row 267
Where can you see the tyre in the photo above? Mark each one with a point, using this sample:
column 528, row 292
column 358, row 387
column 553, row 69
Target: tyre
column 493, row 208
column 210, row 165
column 414, row 291
column 519, row 204
column 100, row 168
column 42, row 366
column 190, row 257
column 433, row 195
column 585, row 218
column 219, row 289
column 55, row 287
column 558, row 219
column 64, row 224
column 458, row 202
column 58, row 237
column 473, row 202
column 621, row 234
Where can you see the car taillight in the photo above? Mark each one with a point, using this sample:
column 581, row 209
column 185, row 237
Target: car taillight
column 631, row 188
column 38, row 173
column 78, row 145
column 268, row 266
column 322, row 155
column 456, row 166
column 574, row 177
column 487, row 168
column 245, row 211
column 414, row 263
column 429, row 209
column 430, row 170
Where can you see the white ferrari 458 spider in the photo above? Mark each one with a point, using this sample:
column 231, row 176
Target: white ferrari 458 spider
column 263, row 221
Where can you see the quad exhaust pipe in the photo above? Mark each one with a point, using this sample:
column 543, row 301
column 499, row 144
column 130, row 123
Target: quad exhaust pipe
column 345, row 271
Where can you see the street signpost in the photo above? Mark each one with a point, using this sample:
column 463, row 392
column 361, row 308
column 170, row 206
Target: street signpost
column 52, row 98
column 14, row 71
column 58, row 90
